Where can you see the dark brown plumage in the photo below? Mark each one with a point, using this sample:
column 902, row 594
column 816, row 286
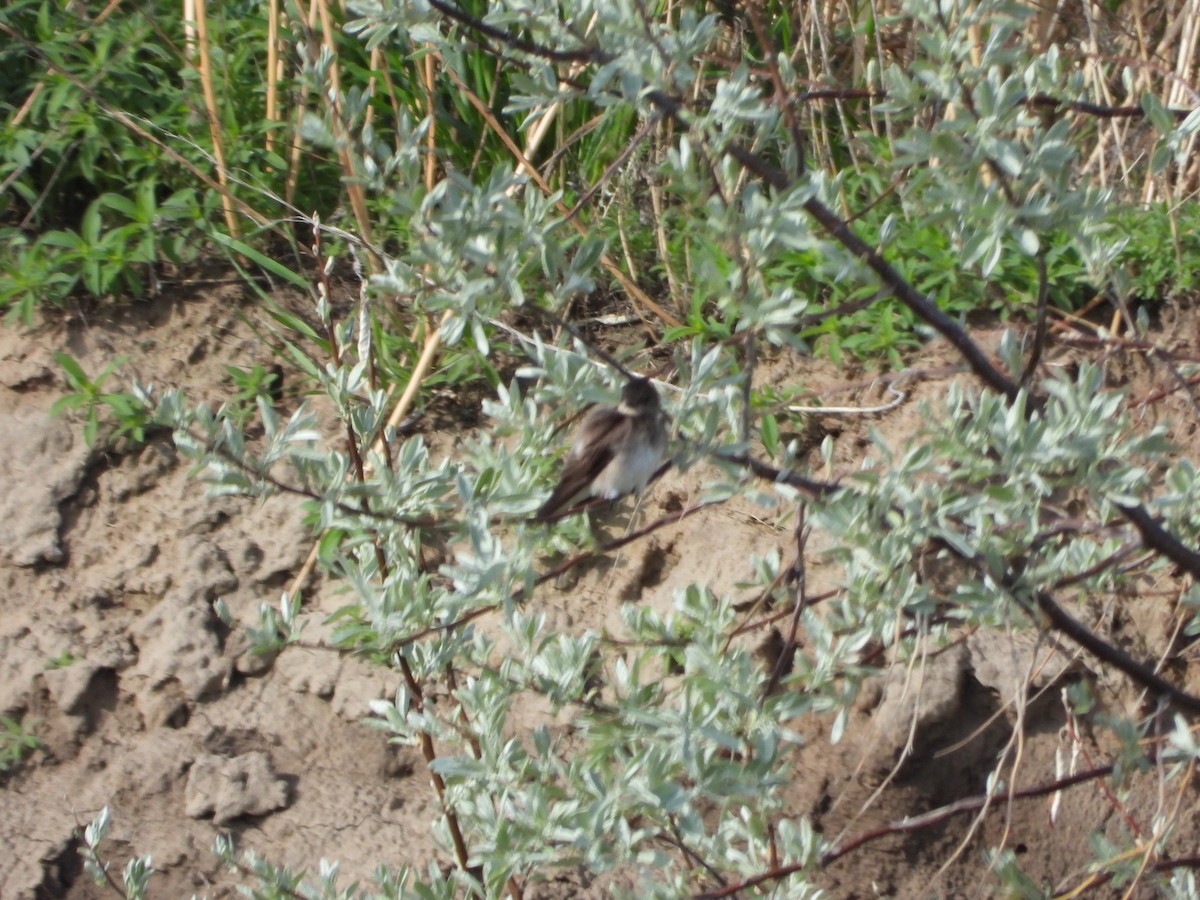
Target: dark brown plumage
column 615, row 451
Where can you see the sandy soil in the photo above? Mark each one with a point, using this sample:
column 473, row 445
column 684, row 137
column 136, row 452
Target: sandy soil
column 110, row 563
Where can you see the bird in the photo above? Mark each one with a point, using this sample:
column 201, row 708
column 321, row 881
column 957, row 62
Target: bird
column 615, row 451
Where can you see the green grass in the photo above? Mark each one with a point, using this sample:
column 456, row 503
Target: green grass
column 96, row 210
column 17, row 741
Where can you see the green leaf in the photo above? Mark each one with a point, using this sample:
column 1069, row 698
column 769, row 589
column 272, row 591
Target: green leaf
column 90, row 225
column 243, row 249
column 75, row 373
column 302, row 360
column 297, row 324
column 329, row 544
column 119, row 203
column 70, row 401
column 1158, row 115
column 770, row 435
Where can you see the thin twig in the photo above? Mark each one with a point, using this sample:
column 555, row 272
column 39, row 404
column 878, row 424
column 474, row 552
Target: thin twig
column 1039, row 332
column 906, row 825
column 798, row 576
column 900, row 396
column 551, row 574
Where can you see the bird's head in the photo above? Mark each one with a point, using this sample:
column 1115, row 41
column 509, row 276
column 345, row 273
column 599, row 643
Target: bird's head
column 639, row 396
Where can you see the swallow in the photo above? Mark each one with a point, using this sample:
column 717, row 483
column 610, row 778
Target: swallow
column 615, row 451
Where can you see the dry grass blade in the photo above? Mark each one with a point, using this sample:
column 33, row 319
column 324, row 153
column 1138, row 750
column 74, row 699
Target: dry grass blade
column 678, row 294
column 274, row 70
column 204, row 64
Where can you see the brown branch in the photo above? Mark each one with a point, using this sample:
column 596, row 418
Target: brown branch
column 584, row 55
column 1116, row 340
column 1158, row 538
column 675, row 839
column 1143, row 674
column 920, row 304
column 798, row 576
column 811, row 486
column 1163, row 393
column 1107, row 563
column 1099, row 879
column 285, row 487
column 1038, row 101
column 782, row 94
column 1153, row 534
column 782, row 614
column 908, row 824
column 913, row 299
column 596, row 55
column 775, row 177
column 1099, row 110
column 1066, row 624
column 611, row 168
column 566, row 565
column 959, row 807
column 415, row 689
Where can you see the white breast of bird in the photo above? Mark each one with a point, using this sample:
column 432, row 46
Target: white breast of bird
column 629, row 470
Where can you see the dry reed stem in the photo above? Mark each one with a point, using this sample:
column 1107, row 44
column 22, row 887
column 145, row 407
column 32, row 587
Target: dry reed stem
column 432, row 343
column 392, row 98
column 1185, row 54
column 816, row 53
column 434, row 339
column 379, row 69
column 210, row 109
column 431, row 115
column 354, row 188
column 1178, row 94
column 546, row 120
column 189, row 28
column 376, row 59
column 424, row 362
column 273, row 71
column 674, row 287
column 1095, row 74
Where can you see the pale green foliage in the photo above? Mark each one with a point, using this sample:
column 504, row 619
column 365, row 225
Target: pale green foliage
column 1183, row 884
column 666, row 752
column 976, row 480
column 134, row 877
column 1033, row 188
column 670, row 741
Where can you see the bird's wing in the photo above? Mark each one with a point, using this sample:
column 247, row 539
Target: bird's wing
column 601, row 433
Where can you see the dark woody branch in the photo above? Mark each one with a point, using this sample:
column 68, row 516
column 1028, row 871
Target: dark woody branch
column 1153, row 534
